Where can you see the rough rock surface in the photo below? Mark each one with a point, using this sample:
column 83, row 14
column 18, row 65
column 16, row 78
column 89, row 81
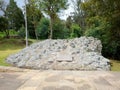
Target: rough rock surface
column 74, row 54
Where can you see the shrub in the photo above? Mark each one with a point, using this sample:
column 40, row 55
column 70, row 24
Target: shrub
column 111, row 45
column 59, row 30
column 43, row 28
column 21, row 32
column 75, row 31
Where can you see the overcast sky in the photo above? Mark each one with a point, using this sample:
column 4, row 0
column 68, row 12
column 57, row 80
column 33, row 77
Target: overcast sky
column 63, row 15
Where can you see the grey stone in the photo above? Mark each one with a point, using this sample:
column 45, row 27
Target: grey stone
column 61, row 57
column 82, row 53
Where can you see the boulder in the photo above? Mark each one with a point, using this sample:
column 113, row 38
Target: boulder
column 82, row 53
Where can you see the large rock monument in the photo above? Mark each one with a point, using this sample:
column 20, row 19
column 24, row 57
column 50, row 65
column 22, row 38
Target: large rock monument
column 68, row 54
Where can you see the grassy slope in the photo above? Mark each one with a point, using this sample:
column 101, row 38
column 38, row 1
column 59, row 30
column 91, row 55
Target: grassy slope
column 10, row 46
column 4, row 54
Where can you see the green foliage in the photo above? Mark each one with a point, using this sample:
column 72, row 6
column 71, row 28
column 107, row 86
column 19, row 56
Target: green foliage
column 51, row 8
column 33, row 17
column 2, row 35
column 2, row 6
column 69, row 22
column 15, row 15
column 13, row 32
column 3, row 23
column 102, row 21
column 78, row 14
column 98, row 27
column 43, row 28
column 60, row 30
column 21, row 32
column 101, row 29
column 4, row 26
column 75, row 31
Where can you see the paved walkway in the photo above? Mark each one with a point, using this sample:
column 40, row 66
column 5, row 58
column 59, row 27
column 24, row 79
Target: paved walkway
column 58, row 80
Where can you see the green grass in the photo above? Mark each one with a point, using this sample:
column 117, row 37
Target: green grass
column 10, row 46
column 4, row 54
column 115, row 65
column 11, row 33
column 2, row 34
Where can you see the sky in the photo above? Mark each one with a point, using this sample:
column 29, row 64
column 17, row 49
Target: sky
column 62, row 15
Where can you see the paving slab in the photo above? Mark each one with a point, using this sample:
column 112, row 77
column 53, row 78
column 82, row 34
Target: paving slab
column 9, row 81
column 59, row 80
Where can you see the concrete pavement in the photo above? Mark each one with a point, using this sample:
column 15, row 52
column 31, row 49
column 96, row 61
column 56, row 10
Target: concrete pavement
column 59, row 80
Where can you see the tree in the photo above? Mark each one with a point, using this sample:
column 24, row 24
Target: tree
column 78, row 14
column 4, row 26
column 107, row 9
column 51, row 8
column 69, row 22
column 43, row 28
column 2, row 6
column 21, row 32
column 75, row 31
column 103, row 16
column 34, row 15
column 60, row 30
column 15, row 16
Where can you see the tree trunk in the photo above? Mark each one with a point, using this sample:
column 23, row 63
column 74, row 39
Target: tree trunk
column 51, row 28
column 35, row 32
column 34, row 23
column 7, row 33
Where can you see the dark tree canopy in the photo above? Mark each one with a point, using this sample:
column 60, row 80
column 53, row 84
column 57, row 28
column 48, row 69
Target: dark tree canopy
column 15, row 15
column 4, row 26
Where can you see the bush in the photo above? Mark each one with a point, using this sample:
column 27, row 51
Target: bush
column 59, row 30
column 76, row 31
column 43, row 28
column 111, row 45
column 21, row 32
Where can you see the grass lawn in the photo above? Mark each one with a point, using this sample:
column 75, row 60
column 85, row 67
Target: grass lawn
column 11, row 46
column 4, row 54
column 115, row 65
